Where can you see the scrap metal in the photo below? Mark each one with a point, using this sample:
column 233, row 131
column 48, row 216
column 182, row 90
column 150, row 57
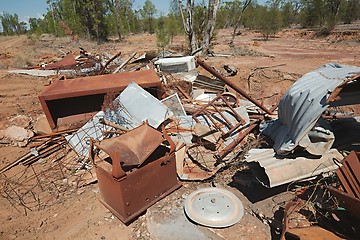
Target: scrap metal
column 65, row 63
column 178, row 64
column 127, row 191
column 351, row 203
column 80, row 96
column 133, row 106
column 211, row 70
column 349, row 174
column 219, row 123
column 302, row 106
column 349, row 177
column 302, row 233
column 214, row 207
column 280, row 170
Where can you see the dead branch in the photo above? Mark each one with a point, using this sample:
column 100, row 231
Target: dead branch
column 114, row 125
column 108, row 62
column 53, row 134
column 124, row 63
column 260, row 68
column 184, row 93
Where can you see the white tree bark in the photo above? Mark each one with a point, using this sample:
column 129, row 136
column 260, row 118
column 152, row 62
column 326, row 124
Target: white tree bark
column 190, row 25
column 210, row 27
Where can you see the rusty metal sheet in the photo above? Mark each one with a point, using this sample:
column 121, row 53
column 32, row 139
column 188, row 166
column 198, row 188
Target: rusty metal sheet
column 65, row 98
column 128, row 192
column 349, row 202
column 290, row 207
column 201, row 169
column 135, row 146
column 311, row 233
column 302, row 233
column 349, row 174
column 67, row 62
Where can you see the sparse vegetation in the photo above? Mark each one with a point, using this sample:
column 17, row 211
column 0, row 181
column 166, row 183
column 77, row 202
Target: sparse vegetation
column 100, row 19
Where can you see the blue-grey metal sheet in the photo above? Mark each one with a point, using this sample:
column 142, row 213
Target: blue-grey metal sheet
column 280, row 170
column 303, row 104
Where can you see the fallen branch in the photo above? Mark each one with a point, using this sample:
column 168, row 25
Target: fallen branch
column 108, row 62
column 114, row 125
column 124, row 63
column 53, row 134
column 265, row 67
column 184, row 93
column 260, row 68
column 28, row 155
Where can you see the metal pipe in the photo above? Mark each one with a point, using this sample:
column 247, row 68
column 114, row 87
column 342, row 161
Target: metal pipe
column 211, row 70
column 234, row 143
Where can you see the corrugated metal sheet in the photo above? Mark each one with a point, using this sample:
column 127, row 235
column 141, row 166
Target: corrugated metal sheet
column 280, row 170
column 301, row 107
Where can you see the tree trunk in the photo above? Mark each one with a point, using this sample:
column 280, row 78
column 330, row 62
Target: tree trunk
column 114, row 7
column 210, row 27
column 118, row 29
column 53, row 18
column 189, row 24
column 238, row 20
column 234, row 34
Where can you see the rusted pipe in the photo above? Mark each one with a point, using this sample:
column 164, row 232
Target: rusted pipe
column 211, row 70
column 234, row 143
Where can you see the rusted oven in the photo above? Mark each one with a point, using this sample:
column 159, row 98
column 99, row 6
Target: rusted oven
column 134, row 170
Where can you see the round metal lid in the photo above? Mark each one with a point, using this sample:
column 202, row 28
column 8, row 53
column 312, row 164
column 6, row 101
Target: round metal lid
column 214, row 207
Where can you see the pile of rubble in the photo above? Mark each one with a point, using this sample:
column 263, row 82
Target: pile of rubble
column 151, row 125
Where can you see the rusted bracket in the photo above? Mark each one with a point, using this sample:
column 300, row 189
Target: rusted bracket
column 211, row 70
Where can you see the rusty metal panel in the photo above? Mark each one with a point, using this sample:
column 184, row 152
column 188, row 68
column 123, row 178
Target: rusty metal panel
column 302, row 233
column 351, row 204
column 311, row 233
column 67, row 62
column 135, row 146
column 349, row 177
column 349, row 174
column 65, row 98
column 129, row 191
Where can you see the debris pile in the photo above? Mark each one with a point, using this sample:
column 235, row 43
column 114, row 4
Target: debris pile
column 150, row 125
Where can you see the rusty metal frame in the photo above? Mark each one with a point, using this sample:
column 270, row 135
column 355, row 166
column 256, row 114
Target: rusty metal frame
column 211, row 70
column 128, row 192
column 213, row 104
column 81, row 96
